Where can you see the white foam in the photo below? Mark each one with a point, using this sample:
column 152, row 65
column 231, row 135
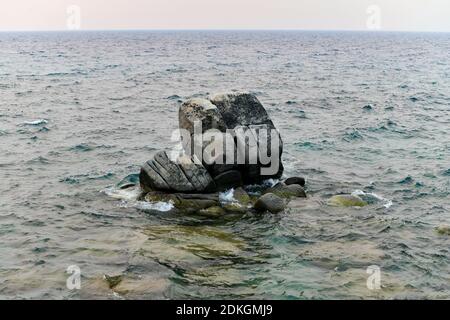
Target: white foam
column 129, row 198
column 270, row 182
column 227, row 196
column 387, row 203
column 158, row 206
column 36, row 122
column 128, row 194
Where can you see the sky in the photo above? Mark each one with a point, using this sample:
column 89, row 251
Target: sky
column 385, row 15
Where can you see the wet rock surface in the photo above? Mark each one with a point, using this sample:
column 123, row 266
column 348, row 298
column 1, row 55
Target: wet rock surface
column 346, row 200
column 163, row 174
column 270, row 202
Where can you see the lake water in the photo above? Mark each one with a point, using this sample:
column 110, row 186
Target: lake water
column 357, row 111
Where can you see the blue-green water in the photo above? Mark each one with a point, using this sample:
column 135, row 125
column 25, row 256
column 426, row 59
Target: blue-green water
column 357, row 111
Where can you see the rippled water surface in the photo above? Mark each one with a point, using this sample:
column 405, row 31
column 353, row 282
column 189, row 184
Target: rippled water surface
column 357, row 111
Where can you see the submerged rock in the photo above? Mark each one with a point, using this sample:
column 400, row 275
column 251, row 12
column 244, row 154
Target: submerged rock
column 346, row 200
column 270, row 202
column 235, row 207
column 242, row 196
column 184, row 202
column 443, row 230
column 215, row 211
column 112, row 281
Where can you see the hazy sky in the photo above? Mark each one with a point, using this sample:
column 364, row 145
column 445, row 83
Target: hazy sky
column 407, row 15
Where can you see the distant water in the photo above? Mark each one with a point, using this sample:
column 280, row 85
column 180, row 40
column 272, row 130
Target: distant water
column 359, row 112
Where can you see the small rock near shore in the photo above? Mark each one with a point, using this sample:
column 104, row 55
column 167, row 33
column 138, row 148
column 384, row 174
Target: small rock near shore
column 270, row 202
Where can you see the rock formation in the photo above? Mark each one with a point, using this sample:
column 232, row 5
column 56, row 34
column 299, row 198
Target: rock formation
column 229, row 141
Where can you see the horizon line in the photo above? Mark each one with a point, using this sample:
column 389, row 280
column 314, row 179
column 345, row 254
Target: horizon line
column 224, row 29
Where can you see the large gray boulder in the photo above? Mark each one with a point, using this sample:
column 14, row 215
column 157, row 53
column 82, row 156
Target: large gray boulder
column 162, row 174
column 238, row 119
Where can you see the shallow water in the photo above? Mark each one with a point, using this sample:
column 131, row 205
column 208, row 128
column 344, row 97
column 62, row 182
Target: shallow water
column 357, row 111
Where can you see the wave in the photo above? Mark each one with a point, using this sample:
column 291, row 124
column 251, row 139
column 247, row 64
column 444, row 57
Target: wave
column 372, row 198
column 130, row 198
column 35, row 122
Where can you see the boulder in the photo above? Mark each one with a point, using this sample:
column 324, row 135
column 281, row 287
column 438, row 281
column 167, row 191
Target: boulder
column 346, row 200
column 227, row 180
column 254, row 134
column 295, row 180
column 163, row 174
column 287, row 191
column 219, row 153
column 238, row 122
column 203, row 111
column 129, row 181
column 443, row 230
column 241, row 109
column 270, row 202
column 197, row 175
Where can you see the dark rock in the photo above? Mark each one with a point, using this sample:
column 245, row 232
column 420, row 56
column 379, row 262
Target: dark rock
column 295, row 180
column 172, row 173
column 240, row 109
column 219, row 155
column 270, row 202
column 254, row 152
column 227, row 180
column 197, row 175
column 113, row 281
column 129, row 181
column 287, row 191
column 150, row 179
column 163, row 174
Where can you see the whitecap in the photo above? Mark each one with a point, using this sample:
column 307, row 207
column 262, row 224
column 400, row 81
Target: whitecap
column 35, row 122
column 128, row 194
column 158, row 206
column 372, row 198
column 129, row 198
